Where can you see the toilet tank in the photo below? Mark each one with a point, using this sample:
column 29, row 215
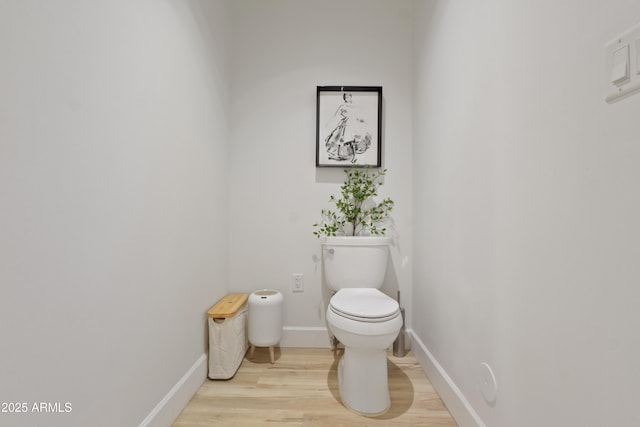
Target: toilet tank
column 355, row 261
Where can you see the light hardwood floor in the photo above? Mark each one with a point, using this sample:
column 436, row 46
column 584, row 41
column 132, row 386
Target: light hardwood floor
column 301, row 389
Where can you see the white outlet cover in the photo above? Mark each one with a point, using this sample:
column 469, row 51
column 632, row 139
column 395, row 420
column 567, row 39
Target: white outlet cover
column 297, row 282
column 488, row 383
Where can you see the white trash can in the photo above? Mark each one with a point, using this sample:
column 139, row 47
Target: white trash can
column 227, row 336
column 265, row 320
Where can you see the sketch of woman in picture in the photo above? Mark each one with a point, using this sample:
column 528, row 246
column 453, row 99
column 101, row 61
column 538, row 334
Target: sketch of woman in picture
column 348, row 134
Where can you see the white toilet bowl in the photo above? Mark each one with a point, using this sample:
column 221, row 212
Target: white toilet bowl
column 367, row 322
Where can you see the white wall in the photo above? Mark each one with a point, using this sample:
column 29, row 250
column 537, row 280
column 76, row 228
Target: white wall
column 526, row 209
column 113, row 190
column 282, row 50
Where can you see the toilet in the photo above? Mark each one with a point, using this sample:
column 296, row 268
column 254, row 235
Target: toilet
column 364, row 319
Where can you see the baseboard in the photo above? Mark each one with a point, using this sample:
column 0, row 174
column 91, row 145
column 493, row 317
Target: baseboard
column 305, row 336
column 166, row 412
column 456, row 402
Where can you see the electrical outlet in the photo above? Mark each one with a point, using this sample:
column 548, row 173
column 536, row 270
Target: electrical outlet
column 297, row 282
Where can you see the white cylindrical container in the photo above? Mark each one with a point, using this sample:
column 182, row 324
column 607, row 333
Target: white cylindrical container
column 265, row 318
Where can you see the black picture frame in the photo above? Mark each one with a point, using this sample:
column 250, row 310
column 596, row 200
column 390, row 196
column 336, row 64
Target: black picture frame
column 349, row 126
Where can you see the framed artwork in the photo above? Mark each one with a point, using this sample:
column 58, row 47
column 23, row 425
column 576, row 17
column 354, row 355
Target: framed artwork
column 349, row 126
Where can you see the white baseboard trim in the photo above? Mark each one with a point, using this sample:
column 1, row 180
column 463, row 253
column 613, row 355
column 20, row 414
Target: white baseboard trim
column 456, row 402
column 305, row 336
column 166, row 412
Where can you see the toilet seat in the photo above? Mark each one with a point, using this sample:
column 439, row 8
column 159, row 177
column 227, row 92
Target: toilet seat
column 364, row 305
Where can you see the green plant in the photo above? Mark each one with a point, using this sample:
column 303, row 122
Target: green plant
column 356, row 211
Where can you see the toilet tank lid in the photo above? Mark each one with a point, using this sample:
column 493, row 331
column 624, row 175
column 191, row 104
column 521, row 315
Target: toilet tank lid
column 356, row 240
column 364, row 302
column 227, row 306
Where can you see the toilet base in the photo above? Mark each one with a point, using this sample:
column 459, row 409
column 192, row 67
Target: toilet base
column 362, row 381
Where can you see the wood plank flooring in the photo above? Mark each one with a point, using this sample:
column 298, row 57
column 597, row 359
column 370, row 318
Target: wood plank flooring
column 301, row 389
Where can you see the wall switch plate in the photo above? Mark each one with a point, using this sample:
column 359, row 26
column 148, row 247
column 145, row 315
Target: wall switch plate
column 620, row 65
column 297, row 282
column 623, row 65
